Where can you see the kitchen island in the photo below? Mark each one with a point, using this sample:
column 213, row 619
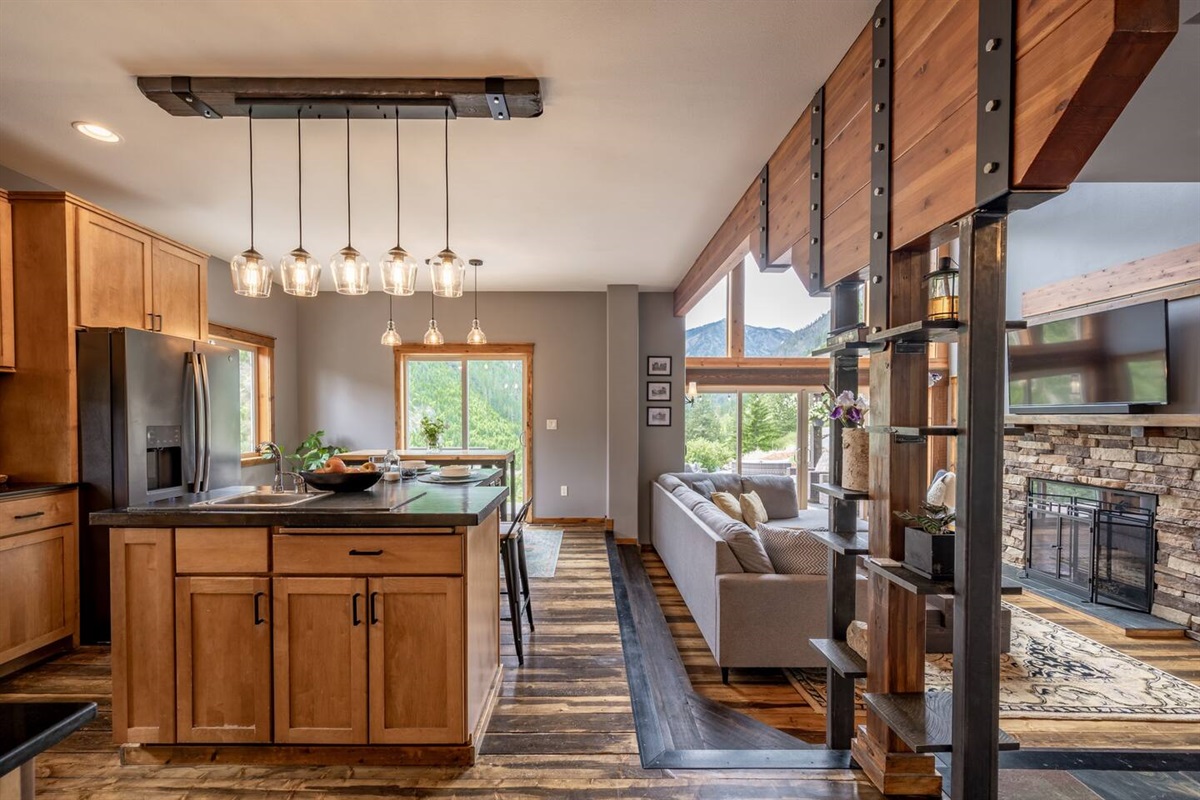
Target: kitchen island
column 356, row 628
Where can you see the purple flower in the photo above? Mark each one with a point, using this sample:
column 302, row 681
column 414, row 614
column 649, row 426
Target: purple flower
column 836, row 413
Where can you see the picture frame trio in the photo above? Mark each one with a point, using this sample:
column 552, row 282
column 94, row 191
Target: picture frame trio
column 658, row 391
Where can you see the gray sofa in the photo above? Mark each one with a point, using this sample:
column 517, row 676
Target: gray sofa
column 747, row 619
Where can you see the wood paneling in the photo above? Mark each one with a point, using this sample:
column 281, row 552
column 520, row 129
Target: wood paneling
column 847, row 164
column 848, row 89
column 37, row 590
column 223, row 655
column 8, row 344
column 320, row 660
column 848, row 237
column 1123, row 281
column 934, row 181
column 142, row 567
column 735, row 313
column 789, row 190
column 180, row 281
column 115, row 284
column 221, row 550
column 374, row 554
column 482, row 635
column 1072, row 84
column 727, row 248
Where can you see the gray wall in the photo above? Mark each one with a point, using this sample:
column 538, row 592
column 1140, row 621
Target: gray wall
column 623, row 422
column 275, row 316
column 660, row 333
column 346, row 377
column 1098, row 225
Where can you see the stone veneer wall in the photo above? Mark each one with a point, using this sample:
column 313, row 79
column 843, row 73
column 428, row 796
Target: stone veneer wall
column 1161, row 461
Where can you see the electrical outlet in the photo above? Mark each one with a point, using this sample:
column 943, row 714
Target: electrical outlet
column 562, row 490
column 552, row 425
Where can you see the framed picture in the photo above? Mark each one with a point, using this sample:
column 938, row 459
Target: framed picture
column 658, row 365
column 658, row 416
column 658, row 391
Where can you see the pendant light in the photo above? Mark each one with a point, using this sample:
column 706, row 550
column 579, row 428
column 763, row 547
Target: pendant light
column 391, row 337
column 250, row 271
column 446, row 266
column 301, row 272
column 433, row 335
column 476, row 335
column 350, row 269
column 398, row 268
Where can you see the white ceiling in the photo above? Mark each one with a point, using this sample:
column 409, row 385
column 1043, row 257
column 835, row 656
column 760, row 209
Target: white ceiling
column 657, row 115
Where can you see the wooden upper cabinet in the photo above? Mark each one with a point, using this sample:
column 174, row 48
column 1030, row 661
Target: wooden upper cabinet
column 321, row 660
column 115, row 283
column 8, row 344
column 179, row 281
column 417, row 685
column 223, row 658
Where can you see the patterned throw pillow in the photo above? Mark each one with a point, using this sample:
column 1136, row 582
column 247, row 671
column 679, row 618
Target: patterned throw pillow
column 753, row 511
column 729, row 504
column 792, row 551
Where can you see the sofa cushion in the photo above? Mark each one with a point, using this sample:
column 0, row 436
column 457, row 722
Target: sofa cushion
column 689, row 498
column 792, row 551
column 722, row 481
column 670, row 482
column 705, row 488
column 752, row 510
column 745, row 544
column 777, row 492
column 728, row 504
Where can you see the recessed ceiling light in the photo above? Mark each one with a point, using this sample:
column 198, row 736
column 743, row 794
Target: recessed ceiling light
column 97, row 132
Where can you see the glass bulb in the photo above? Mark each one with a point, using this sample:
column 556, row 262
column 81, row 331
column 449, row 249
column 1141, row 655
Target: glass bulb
column 399, row 271
column 350, row 271
column 390, row 338
column 301, row 273
column 448, row 271
column 251, row 274
column 476, row 335
column 433, row 335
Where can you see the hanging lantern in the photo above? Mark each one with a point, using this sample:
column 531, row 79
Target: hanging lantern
column 251, row 272
column 941, row 291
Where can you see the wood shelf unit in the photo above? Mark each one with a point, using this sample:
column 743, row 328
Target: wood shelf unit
column 840, row 492
column 910, row 433
column 923, row 719
column 845, row 544
column 918, row 584
column 844, row 349
column 931, row 330
column 843, row 660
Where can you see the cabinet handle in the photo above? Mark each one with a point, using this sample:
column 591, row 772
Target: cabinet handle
column 354, row 618
column 32, row 515
column 374, row 613
column 160, row 323
column 366, row 552
column 151, row 316
column 259, row 619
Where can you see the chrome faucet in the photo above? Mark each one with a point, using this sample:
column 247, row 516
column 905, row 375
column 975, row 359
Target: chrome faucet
column 271, row 452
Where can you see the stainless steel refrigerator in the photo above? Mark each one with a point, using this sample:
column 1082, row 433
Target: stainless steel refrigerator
column 158, row 417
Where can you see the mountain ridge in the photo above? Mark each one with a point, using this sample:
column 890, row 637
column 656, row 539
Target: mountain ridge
column 709, row 340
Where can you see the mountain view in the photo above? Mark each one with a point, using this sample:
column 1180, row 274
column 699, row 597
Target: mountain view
column 709, row 340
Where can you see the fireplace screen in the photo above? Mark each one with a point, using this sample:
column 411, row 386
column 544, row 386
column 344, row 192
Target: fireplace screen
column 1094, row 542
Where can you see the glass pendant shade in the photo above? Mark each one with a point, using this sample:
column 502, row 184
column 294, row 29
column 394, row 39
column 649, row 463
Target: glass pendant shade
column 391, row 337
column 448, row 272
column 941, row 289
column 476, row 335
column 251, row 274
column 433, row 335
column 350, row 271
column 399, row 271
column 301, row 273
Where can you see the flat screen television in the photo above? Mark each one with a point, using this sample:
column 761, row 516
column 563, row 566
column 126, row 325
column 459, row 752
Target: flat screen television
column 1109, row 361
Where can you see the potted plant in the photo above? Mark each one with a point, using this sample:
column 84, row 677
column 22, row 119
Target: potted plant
column 851, row 412
column 929, row 541
column 312, row 453
column 432, row 429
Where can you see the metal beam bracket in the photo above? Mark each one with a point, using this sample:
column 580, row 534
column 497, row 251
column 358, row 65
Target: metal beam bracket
column 816, row 212
column 881, row 165
column 493, row 90
column 994, row 112
column 181, row 87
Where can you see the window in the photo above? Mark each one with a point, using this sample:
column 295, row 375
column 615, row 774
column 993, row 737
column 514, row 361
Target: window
column 256, row 385
column 705, row 324
column 782, row 320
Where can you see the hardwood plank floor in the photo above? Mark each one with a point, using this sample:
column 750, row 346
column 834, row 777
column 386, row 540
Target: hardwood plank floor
column 563, row 727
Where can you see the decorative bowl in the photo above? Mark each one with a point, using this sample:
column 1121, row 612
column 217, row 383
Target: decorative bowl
column 341, row 481
column 455, row 471
column 412, row 465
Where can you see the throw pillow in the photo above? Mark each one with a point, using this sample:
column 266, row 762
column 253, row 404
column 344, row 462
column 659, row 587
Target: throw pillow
column 752, row 509
column 729, row 504
column 743, row 542
column 705, row 488
column 792, row 551
column 941, row 491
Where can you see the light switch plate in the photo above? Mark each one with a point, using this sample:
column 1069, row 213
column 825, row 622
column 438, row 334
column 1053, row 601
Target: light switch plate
column 562, row 490
column 551, row 424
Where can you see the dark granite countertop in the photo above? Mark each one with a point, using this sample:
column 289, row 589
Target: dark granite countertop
column 27, row 729
column 17, row 489
column 386, row 505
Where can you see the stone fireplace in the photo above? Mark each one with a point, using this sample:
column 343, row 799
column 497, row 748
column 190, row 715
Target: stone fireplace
column 1136, row 470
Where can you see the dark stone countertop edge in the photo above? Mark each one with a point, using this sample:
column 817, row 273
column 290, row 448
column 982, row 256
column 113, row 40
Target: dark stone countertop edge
column 14, row 489
column 47, row 737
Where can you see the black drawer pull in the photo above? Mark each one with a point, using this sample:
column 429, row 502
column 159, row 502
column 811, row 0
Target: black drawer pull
column 259, row 619
column 32, row 515
column 366, row 552
column 354, row 618
column 374, row 612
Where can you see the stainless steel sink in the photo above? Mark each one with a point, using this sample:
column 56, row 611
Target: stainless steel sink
column 256, row 499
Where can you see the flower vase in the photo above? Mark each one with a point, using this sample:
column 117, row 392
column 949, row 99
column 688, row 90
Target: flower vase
column 855, row 459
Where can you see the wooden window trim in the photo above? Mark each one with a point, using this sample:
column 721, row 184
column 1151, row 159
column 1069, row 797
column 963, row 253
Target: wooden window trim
column 264, row 348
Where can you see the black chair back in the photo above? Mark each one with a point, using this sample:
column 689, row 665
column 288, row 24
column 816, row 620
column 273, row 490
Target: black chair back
column 519, row 519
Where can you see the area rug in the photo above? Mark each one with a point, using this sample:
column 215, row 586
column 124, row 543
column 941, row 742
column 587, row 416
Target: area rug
column 541, row 552
column 1055, row 673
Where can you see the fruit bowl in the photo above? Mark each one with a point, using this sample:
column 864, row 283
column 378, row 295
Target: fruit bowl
column 341, row 481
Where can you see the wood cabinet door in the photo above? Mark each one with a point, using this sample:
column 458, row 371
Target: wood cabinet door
column 320, row 660
column 36, row 590
column 114, row 274
column 223, row 659
column 8, row 345
column 417, row 665
column 180, row 279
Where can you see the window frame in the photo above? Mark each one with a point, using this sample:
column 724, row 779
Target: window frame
column 263, row 347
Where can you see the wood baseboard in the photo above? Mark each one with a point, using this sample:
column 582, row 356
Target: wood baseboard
column 573, row 522
column 19, row 663
column 489, row 705
column 364, row 755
